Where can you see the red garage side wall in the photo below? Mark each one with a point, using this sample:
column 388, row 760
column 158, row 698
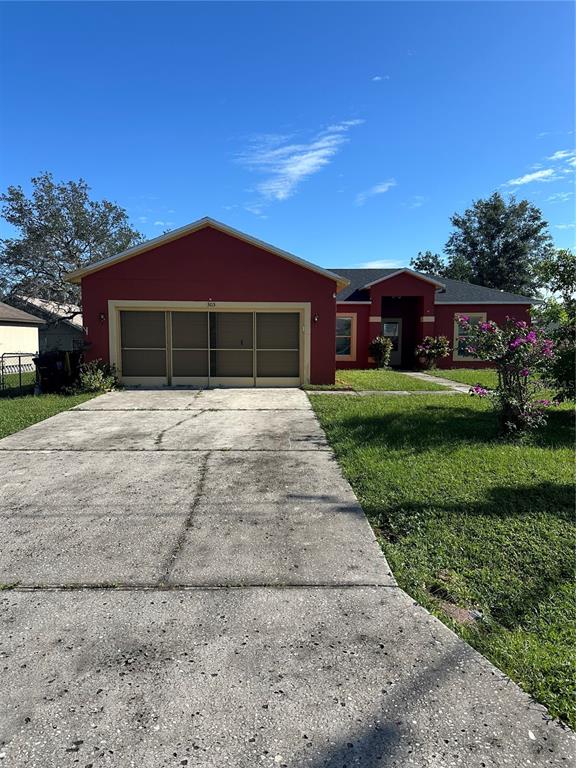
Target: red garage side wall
column 209, row 265
column 362, row 312
column 444, row 325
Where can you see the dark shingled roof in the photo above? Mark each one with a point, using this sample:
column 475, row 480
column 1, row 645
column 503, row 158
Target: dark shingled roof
column 15, row 316
column 455, row 291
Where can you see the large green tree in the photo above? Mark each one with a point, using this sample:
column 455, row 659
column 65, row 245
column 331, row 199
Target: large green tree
column 60, row 228
column 432, row 264
column 502, row 242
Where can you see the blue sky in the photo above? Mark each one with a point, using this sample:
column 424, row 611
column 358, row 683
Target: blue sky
column 347, row 133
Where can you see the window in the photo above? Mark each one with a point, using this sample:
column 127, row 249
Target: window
column 345, row 337
column 461, row 333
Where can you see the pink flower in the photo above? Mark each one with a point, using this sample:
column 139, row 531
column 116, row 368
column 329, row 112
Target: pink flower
column 478, row 390
column 525, row 372
column 531, row 337
column 464, row 319
column 521, row 324
column 544, row 403
column 516, row 343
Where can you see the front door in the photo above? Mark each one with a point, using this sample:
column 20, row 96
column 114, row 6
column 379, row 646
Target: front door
column 392, row 329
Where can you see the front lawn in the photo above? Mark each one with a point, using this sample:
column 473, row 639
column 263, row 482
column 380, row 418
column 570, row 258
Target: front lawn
column 479, row 531
column 486, row 377
column 377, row 379
column 16, row 413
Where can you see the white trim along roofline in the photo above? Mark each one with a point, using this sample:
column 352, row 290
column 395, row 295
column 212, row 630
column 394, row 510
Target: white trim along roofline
column 78, row 274
column 408, row 271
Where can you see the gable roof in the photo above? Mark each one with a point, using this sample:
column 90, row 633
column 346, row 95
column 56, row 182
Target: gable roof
column 78, row 274
column 405, row 271
column 15, row 316
column 453, row 292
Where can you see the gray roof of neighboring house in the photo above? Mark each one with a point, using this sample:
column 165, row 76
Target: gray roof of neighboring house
column 15, row 316
column 52, row 311
column 454, row 291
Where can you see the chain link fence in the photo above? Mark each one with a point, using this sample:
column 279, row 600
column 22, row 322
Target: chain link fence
column 17, row 374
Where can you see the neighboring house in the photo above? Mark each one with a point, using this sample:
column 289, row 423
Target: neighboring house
column 62, row 329
column 18, row 331
column 208, row 305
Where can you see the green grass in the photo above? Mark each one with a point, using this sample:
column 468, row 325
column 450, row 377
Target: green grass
column 16, row 413
column 374, row 379
column 468, row 520
column 12, row 381
column 486, row 377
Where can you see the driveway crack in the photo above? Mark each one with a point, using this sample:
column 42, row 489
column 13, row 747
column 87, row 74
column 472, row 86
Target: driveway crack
column 179, row 543
column 162, row 434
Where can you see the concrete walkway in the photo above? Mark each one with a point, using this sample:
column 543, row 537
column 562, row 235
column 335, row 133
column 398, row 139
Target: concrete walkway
column 195, row 584
column 453, row 385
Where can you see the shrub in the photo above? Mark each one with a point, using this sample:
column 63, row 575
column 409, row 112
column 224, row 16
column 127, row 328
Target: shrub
column 519, row 353
column 380, row 349
column 96, row 376
column 562, row 371
column 432, row 348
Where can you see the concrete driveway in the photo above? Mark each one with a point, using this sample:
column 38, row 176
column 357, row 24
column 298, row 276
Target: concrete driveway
column 195, row 584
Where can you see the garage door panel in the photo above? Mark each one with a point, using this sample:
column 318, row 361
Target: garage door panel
column 190, row 330
column 188, row 362
column 231, row 330
column 277, row 330
column 143, row 330
column 143, row 362
column 278, row 364
column 235, row 363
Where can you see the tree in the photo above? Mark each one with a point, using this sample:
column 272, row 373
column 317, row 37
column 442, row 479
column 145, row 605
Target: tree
column 558, row 313
column 429, row 263
column 502, row 243
column 60, row 229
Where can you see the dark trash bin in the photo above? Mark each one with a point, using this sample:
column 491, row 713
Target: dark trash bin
column 57, row 370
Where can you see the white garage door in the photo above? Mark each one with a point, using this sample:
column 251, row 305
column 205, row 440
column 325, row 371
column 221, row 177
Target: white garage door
column 211, row 348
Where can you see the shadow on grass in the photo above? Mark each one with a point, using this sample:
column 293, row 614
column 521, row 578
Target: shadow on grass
column 523, row 553
column 441, row 426
column 546, row 498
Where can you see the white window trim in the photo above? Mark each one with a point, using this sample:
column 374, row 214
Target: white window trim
column 464, row 358
column 352, row 356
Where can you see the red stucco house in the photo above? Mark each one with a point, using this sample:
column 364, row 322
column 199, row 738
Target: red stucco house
column 206, row 305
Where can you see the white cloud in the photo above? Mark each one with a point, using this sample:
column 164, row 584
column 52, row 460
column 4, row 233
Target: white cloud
column 377, row 189
column 378, row 78
column 564, row 161
column 417, row 201
column 562, row 154
column 547, row 174
column 160, row 223
column 380, row 264
column 565, row 226
column 559, row 197
column 143, row 219
column 286, row 164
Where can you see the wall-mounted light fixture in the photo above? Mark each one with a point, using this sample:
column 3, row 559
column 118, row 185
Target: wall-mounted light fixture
column 102, row 317
column 316, row 318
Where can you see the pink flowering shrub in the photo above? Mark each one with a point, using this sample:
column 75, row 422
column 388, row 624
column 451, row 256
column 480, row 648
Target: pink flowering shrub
column 518, row 353
column 432, row 348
